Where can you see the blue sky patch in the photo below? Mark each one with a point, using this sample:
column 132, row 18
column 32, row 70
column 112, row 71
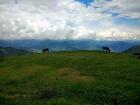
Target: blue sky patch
column 87, row 2
column 127, row 21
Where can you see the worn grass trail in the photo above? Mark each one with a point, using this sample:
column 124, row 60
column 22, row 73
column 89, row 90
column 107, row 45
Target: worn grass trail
column 70, row 78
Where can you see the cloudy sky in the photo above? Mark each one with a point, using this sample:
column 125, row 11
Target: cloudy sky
column 70, row 19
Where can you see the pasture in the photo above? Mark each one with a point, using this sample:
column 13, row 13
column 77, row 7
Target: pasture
column 70, row 78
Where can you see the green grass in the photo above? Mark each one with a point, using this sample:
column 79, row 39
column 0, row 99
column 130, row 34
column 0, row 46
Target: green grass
column 70, row 78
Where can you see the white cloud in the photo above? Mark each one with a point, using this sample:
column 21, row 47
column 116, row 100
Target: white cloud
column 129, row 8
column 61, row 19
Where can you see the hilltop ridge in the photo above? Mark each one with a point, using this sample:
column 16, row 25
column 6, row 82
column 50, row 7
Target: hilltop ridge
column 134, row 49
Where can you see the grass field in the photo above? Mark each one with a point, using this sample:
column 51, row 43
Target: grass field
column 70, row 78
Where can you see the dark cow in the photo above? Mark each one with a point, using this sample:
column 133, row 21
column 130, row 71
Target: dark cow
column 45, row 50
column 106, row 49
column 136, row 53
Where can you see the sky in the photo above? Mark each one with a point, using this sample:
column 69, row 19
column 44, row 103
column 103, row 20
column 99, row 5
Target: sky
column 70, row 19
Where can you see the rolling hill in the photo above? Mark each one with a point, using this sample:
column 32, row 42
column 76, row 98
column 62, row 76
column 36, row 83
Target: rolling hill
column 134, row 49
column 7, row 51
column 70, row 78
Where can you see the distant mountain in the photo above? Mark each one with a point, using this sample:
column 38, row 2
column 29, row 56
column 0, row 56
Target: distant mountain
column 61, row 45
column 134, row 49
column 7, row 51
column 120, row 46
column 53, row 45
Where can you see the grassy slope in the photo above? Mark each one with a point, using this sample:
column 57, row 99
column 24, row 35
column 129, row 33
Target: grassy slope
column 70, row 78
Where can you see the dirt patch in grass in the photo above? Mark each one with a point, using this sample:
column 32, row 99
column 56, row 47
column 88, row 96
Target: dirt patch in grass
column 68, row 74
column 46, row 94
column 12, row 94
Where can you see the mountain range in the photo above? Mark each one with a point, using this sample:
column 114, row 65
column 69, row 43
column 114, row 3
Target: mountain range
column 61, row 45
column 8, row 51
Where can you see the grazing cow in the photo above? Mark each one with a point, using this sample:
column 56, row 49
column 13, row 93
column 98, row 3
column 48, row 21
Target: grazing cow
column 136, row 53
column 45, row 50
column 106, row 49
